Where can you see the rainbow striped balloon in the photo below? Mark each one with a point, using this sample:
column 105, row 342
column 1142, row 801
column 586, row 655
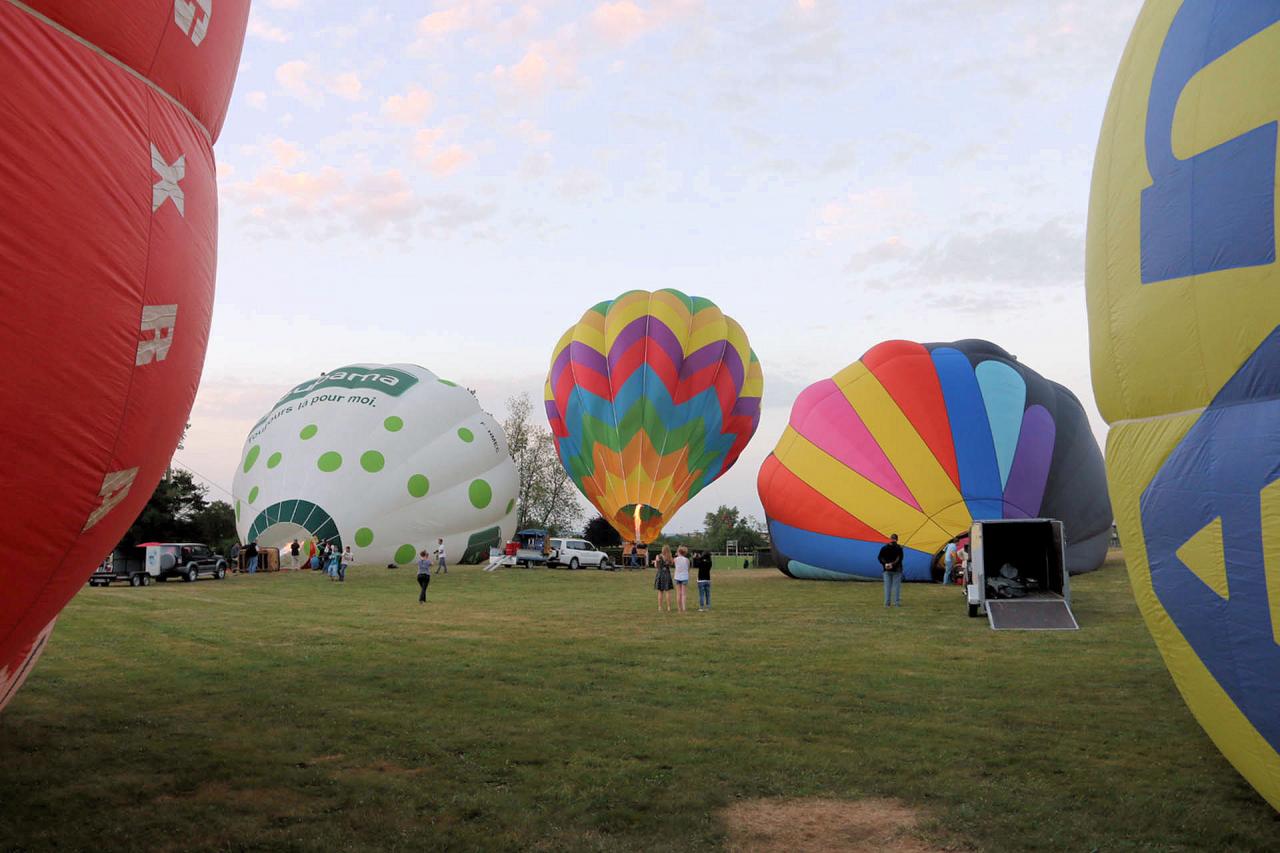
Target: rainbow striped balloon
column 651, row 397
column 921, row 440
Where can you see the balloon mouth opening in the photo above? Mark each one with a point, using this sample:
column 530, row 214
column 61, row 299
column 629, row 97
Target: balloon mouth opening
column 640, row 522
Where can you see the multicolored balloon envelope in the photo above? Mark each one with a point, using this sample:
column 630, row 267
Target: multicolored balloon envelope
column 651, row 397
column 1184, row 325
column 384, row 458
column 920, row 440
column 108, row 233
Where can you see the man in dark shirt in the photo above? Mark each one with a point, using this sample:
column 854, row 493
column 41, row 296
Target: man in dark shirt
column 891, row 562
column 702, row 563
column 251, row 556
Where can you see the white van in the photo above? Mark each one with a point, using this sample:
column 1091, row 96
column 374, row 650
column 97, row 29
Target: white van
column 576, row 553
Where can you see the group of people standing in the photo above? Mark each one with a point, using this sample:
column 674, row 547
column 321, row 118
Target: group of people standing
column 673, row 573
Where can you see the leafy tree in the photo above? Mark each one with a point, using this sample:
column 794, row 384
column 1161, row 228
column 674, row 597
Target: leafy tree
column 215, row 525
column 547, row 497
column 601, row 533
column 728, row 522
column 171, row 512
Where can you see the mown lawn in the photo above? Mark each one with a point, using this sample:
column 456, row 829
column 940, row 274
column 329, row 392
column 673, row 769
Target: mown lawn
column 557, row 710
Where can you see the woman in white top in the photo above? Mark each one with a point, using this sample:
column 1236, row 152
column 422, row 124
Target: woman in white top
column 682, row 575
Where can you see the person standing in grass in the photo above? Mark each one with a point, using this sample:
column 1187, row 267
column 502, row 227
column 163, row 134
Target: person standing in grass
column 662, row 582
column 441, row 565
column 295, row 548
column 948, row 561
column 702, row 562
column 424, row 575
column 251, row 556
column 345, row 563
column 890, row 558
column 681, row 576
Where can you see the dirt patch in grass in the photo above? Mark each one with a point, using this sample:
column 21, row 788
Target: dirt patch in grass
column 760, row 826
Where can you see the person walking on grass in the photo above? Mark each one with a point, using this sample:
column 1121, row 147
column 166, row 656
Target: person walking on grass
column 441, row 565
column 662, row 582
column 295, row 548
column 424, row 575
column 681, row 576
column 702, row 562
column 890, row 558
column 345, row 562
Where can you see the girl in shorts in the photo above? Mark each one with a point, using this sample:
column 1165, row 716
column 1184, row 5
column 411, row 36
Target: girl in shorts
column 662, row 583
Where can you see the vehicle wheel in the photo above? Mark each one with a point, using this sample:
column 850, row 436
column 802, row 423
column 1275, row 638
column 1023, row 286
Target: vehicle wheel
column 220, row 573
column 135, row 580
column 973, row 611
column 573, row 564
column 605, row 565
column 146, row 580
column 191, row 575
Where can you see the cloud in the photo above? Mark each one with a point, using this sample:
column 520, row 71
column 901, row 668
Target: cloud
column 449, row 20
column 622, row 22
column 439, row 161
column 286, row 154
column 1001, row 268
column 303, row 81
column 876, row 213
column 295, row 78
column 531, row 133
column 257, row 100
column 260, row 27
column 411, row 108
column 544, row 65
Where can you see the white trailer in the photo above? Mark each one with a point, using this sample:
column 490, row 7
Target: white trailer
column 1018, row 576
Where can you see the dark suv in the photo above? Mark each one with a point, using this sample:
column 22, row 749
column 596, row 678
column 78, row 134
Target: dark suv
column 190, row 560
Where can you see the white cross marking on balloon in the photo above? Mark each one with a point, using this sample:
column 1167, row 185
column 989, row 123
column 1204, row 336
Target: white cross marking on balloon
column 184, row 15
column 167, row 187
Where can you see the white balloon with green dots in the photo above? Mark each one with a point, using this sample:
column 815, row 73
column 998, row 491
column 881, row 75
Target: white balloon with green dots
column 386, row 458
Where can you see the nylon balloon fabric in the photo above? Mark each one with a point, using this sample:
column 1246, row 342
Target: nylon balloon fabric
column 651, row 397
column 1184, row 329
column 920, row 440
column 108, row 247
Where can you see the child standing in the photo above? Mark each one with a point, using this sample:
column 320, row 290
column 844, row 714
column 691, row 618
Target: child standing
column 347, row 560
column 424, row 575
column 682, row 576
column 702, row 563
column 662, row 582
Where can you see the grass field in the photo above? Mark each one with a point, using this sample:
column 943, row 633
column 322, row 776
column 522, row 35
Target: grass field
column 557, row 710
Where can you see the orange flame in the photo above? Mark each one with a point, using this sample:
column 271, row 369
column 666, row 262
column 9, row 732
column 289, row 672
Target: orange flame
column 637, row 517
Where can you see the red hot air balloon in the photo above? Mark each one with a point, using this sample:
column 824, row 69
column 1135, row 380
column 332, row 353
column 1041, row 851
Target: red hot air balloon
column 108, row 237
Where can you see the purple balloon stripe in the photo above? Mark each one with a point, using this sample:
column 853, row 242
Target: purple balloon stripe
column 658, row 335
column 558, row 366
column 747, row 407
column 718, row 351
column 1029, row 473
column 585, row 357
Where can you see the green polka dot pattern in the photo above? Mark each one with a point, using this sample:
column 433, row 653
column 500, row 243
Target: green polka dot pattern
column 511, row 504
column 251, row 457
column 418, row 485
column 372, row 461
column 481, row 493
column 393, row 424
column 466, row 435
column 253, row 494
column 308, row 432
column 404, row 554
column 329, row 462
column 364, row 537
column 274, row 459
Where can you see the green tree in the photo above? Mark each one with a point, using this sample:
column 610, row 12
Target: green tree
column 547, row 497
column 728, row 522
column 601, row 533
column 171, row 512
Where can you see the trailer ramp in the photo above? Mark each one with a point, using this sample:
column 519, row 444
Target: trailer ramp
column 1031, row 614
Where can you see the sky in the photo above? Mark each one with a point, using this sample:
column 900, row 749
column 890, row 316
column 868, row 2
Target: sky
column 454, row 183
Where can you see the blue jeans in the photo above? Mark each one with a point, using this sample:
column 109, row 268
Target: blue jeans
column 946, row 575
column 253, row 564
column 704, row 594
column 893, row 588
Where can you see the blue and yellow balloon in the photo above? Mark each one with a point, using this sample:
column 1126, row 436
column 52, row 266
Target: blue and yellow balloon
column 1184, row 322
